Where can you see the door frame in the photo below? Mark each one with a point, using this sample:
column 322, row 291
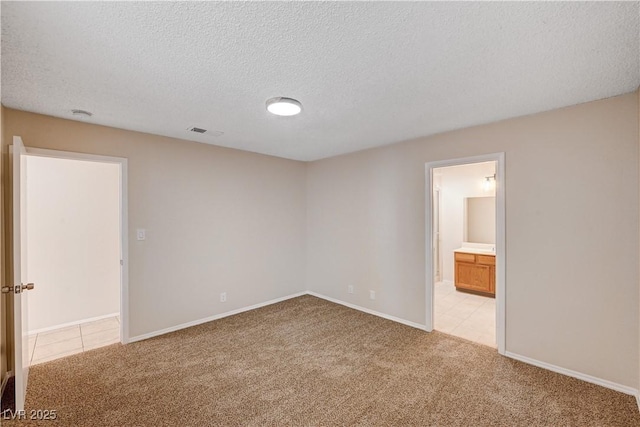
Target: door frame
column 124, row 222
column 501, row 263
column 437, row 253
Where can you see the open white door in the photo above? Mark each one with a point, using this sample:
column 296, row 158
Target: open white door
column 20, row 330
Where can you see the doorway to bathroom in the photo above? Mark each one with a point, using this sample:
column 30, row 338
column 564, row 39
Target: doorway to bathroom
column 465, row 249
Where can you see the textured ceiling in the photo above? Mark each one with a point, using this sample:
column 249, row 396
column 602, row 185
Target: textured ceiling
column 367, row 73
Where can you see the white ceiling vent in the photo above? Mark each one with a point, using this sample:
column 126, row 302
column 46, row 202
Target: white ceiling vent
column 202, row 131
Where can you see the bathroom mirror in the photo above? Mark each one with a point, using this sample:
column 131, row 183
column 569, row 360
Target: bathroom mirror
column 480, row 220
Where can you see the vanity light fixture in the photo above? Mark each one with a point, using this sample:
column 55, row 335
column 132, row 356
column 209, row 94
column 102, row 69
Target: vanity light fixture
column 489, row 183
column 281, row 106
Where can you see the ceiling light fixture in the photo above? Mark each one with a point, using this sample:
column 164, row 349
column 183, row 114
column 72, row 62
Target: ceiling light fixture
column 81, row 114
column 281, row 106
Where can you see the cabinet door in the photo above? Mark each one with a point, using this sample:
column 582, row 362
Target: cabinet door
column 473, row 276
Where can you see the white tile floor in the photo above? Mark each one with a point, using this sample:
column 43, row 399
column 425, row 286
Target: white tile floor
column 51, row 345
column 464, row 315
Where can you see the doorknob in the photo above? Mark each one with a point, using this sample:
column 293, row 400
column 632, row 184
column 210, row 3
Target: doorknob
column 17, row 289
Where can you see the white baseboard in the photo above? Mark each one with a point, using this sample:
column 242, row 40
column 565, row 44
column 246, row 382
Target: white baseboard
column 74, row 323
column 369, row 311
column 263, row 304
column 638, row 400
column 211, row 318
column 584, row 377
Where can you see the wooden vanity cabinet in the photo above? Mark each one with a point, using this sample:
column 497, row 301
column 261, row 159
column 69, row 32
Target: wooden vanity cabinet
column 475, row 273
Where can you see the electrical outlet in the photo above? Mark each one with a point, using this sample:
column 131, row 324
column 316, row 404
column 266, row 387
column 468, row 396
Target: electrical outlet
column 372, row 294
column 350, row 289
column 223, row 297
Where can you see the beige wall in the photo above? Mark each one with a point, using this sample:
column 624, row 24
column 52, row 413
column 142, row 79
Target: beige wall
column 571, row 230
column 217, row 219
column 73, row 240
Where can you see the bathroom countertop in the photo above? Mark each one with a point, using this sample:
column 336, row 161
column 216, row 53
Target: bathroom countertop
column 478, row 251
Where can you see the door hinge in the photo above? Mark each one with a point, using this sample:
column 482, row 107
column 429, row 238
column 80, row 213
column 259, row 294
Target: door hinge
column 17, row 289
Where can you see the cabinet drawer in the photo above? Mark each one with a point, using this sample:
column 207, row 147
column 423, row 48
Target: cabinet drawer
column 461, row 256
column 486, row 259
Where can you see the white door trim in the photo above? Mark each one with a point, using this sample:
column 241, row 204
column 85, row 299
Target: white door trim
column 124, row 223
column 500, row 240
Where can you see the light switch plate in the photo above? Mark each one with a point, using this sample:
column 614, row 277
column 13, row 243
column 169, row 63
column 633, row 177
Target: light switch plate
column 141, row 234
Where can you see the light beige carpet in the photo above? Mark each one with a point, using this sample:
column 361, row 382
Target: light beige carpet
column 309, row 362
